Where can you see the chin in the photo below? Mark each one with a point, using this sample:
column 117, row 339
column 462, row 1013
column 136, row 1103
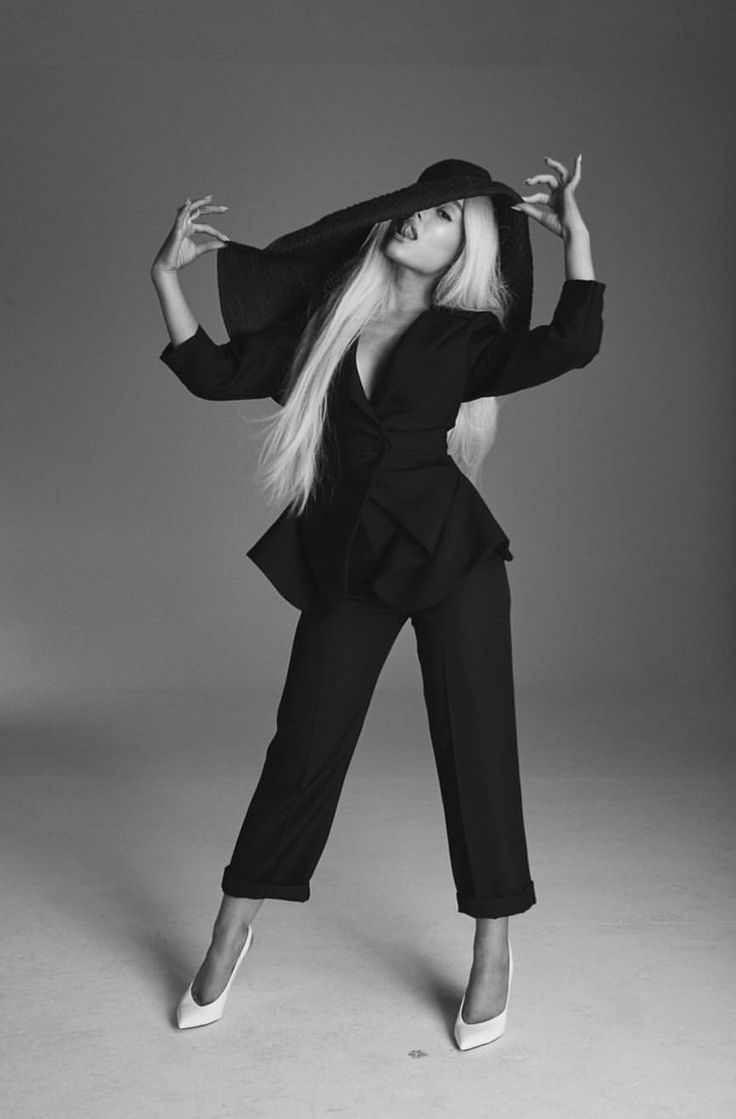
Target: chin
column 389, row 249
column 396, row 243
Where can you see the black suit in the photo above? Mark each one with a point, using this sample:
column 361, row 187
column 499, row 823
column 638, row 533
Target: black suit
column 389, row 454
column 399, row 533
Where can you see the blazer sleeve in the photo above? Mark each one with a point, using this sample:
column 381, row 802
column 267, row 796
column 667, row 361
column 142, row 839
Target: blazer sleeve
column 503, row 361
column 250, row 366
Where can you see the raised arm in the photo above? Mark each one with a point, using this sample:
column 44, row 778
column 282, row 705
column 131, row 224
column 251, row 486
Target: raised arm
column 177, row 251
column 249, row 366
column 502, row 361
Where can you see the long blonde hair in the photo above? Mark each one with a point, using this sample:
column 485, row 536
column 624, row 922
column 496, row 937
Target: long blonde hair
column 292, row 458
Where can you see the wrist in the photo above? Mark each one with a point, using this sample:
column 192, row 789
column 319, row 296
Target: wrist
column 575, row 231
column 161, row 275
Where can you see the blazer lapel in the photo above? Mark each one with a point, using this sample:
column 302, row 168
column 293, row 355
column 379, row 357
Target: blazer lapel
column 391, row 373
column 355, row 387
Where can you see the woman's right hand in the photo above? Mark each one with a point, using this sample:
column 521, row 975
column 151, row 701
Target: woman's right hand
column 179, row 249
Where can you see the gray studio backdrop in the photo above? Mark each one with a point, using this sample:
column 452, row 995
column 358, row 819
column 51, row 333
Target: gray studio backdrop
column 128, row 504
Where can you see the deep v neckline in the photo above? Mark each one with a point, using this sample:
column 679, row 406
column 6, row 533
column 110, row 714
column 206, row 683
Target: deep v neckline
column 388, row 357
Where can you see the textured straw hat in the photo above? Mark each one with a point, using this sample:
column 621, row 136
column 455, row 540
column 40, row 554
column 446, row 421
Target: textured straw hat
column 257, row 287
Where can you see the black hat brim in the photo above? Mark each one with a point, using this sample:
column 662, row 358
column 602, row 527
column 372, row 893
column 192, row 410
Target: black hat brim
column 257, row 287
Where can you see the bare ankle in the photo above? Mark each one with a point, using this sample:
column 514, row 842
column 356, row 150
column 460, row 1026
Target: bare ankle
column 235, row 915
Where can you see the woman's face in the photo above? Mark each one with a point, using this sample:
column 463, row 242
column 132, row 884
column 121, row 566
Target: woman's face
column 432, row 238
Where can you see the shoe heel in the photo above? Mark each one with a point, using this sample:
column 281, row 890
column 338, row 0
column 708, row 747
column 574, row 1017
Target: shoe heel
column 468, row 1035
column 189, row 1013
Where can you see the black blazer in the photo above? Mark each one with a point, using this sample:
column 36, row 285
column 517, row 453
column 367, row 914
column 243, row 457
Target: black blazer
column 387, row 457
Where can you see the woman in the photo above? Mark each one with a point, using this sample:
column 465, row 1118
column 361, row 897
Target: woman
column 386, row 331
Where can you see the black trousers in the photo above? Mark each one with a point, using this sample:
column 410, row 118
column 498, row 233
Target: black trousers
column 464, row 651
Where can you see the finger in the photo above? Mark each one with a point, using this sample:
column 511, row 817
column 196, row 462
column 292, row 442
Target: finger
column 202, row 228
column 551, row 222
column 545, row 218
column 577, row 173
column 552, row 180
column 206, row 210
column 184, row 211
column 532, row 211
column 208, row 246
column 539, row 197
column 557, row 165
column 199, row 202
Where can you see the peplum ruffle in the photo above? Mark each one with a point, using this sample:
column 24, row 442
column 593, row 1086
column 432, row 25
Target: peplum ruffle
column 405, row 574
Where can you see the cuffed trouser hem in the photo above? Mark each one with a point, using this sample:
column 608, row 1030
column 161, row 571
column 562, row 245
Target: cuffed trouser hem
column 238, row 888
column 497, row 907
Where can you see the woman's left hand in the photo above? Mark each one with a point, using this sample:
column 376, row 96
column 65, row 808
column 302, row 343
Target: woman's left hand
column 563, row 216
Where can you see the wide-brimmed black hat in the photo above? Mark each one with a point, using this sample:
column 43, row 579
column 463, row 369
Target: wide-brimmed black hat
column 257, row 287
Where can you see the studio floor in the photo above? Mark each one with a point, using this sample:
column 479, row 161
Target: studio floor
column 119, row 812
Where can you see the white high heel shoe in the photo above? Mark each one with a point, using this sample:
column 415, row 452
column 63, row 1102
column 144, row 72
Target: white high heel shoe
column 190, row 1013
column 470, row 1034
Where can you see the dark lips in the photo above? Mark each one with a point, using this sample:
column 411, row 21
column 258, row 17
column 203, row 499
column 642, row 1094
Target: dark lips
column 400, row 234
